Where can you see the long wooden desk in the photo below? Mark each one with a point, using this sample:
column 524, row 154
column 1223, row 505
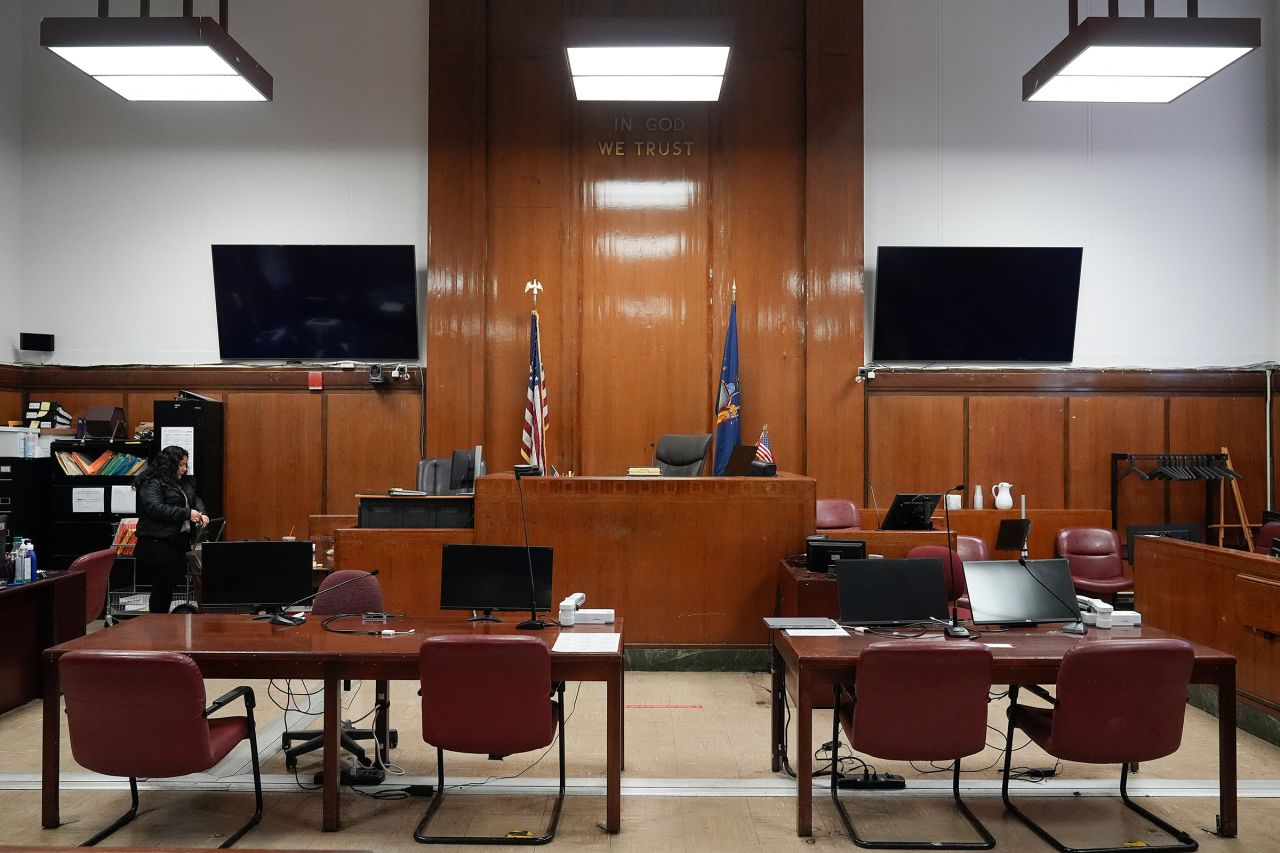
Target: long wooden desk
column 813, row 664
column 236, row 647
column 983, row 523
column 33, row 617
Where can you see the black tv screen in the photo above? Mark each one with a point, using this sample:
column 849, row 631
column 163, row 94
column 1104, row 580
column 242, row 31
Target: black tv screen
column 316, row 302
column 963, row 303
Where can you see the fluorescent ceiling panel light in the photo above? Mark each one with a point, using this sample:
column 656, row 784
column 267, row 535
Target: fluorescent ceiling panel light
column 159, row 59
column 1099, row 52
column 648, row 88
column 676, row 61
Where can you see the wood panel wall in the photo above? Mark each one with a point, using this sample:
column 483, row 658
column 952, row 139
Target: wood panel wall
column 639, row 251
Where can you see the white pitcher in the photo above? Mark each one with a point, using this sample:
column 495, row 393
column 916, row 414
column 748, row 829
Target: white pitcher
column 1000, row 491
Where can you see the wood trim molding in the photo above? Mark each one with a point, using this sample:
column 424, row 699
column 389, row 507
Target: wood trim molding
column 1200, row 382
column 223, row 378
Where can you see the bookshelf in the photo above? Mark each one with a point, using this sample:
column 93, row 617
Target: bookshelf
column 91, row 491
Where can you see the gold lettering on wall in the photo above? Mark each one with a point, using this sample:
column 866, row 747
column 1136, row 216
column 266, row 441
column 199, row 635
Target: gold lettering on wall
column 647, row 148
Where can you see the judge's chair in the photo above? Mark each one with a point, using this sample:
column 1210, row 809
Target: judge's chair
column 915, row 701
column 134, row 713
column 837, row 514
column 1097, row 568
column 1118, row 702
column 357, row 596
column 489, row 695
column 682, row 455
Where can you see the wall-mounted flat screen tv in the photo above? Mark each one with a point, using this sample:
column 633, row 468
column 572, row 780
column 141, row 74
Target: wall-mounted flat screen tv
column 316, row 302
column 968, row 303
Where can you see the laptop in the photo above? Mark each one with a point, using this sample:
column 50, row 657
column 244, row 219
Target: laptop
column 739, row 464
column 210, row 532
column 891, row 592
column 1005, row 592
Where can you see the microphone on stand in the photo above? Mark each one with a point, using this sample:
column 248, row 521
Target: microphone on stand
column 874, row 505
column 533, row 623
column 294, row 621
column 954, row 629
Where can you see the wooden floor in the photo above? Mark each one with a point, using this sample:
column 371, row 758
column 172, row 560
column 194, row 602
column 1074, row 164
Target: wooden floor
column 697, row 778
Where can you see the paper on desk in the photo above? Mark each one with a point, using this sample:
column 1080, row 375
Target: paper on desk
column 817, row 632
column 598, row 642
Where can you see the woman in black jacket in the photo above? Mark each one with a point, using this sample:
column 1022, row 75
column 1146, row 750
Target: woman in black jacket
column 168, row 507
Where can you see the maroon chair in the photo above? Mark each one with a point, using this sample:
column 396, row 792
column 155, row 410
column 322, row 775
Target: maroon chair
column 97, row 577
column 952, row 566
column 489, row 695
column 1094, row 555
column 1097, row 720
column 916, row 702
column 972, row 548
column 835, row 514
column 143, row 714
column 354, row 596
column 1262, row 542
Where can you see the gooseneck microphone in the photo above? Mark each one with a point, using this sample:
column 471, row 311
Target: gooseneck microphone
column 294, row 621
column 874, row 505
column 1076, row 627
column 954, row 629
column 533, row 623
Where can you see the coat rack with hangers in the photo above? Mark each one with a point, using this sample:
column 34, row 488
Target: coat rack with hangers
column 1209, row 468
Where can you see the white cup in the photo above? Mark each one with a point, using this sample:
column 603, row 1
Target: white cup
column 288, row 538
column 953, row 501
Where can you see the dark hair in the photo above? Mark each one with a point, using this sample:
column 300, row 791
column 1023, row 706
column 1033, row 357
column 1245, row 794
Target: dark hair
column 162, row 466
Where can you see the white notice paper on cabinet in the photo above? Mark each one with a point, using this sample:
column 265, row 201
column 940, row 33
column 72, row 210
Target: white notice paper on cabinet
column 587, row 642
column 184, row 437
column 89, row 500
column 124, row 500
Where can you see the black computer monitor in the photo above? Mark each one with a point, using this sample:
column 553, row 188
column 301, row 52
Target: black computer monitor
column 1190, row 531
column 464, row 467
column 488, row 578
column 1005, row 592
column 911, row 512
column 255, row 575
column 891, row 592
column 1012, row 534
column 821, row 552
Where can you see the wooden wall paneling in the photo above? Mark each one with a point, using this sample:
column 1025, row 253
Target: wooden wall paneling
column 1018, row 439
column 1205, row 424
column 371, row 445
column 12, row 406
column 456, row 236
column 273, row 469
column 408, row 563
column 915, row 443
column 645, row 347
column 834, row 403
column 1100, row 425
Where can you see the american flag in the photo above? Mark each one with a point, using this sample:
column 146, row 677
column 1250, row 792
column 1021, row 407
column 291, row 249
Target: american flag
column 763, row 451
column 533, row 443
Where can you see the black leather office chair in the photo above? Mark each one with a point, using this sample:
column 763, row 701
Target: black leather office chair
column 682, row 455
column 433, row 475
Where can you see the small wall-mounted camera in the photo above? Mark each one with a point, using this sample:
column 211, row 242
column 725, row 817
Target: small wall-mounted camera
column 376, row 376
column 401, row 372
column 865, row 373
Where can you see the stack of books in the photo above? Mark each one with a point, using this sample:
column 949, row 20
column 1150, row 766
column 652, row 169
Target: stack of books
column 47, row 414
column 126, row 537
column 108, row 464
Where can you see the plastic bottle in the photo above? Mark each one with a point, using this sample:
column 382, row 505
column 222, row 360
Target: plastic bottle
column 20, row 561
column 31, row 559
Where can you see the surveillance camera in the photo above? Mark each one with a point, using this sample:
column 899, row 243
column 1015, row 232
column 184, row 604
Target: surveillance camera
column 375, row 374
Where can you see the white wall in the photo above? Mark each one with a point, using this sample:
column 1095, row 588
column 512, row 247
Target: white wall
column 10, row 176
column 122, row 200
column 1175, row 204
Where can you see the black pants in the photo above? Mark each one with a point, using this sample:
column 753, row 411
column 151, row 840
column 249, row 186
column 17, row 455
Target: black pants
column 166, row 564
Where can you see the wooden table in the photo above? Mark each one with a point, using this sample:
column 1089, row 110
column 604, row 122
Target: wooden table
column 983, row 523
column 813, row 664
column 33, row 617
column 227, row 646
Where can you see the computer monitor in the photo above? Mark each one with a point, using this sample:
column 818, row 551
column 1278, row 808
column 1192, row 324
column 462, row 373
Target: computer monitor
column 464, row 467
column 265, row 575
column 739, row 464
column 1005, row 592
column 1012, row 534
column 489, row 578
column 891, row 592
column 911, row 512
column 1190, row 531
column 822, row 552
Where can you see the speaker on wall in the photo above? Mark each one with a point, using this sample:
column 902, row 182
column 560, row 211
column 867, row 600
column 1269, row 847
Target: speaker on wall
column 35, row 342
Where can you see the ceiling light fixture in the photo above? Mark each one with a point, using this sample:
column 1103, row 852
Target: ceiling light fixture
column 159, row 59
column 647, row 59
column 1138, row 60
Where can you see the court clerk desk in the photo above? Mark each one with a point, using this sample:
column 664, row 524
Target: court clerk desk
column 235, row 646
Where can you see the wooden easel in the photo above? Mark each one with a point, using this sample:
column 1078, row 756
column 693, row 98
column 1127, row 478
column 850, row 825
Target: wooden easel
column 1240, row 513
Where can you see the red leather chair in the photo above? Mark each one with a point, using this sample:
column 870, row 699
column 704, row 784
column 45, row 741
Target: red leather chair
column 1097, row 720
column 915, row 701
column 143, row 714
column 97, row 576
column 354, row 596
column 489, row 695
column 1094, row 555
column 952, row 567
column 837, row 513
column 972, row 548
column 1262, row 542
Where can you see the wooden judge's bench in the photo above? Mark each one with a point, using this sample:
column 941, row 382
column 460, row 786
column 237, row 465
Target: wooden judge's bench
column 686, row 560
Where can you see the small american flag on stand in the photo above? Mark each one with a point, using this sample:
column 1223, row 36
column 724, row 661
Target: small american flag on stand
column 763, row 451
column 533, row 446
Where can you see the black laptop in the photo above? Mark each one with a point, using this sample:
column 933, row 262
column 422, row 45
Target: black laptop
column 891, row 592
column 739, row 464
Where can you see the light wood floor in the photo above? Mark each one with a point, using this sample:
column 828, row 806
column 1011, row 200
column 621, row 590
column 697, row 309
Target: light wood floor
column 697, row 778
